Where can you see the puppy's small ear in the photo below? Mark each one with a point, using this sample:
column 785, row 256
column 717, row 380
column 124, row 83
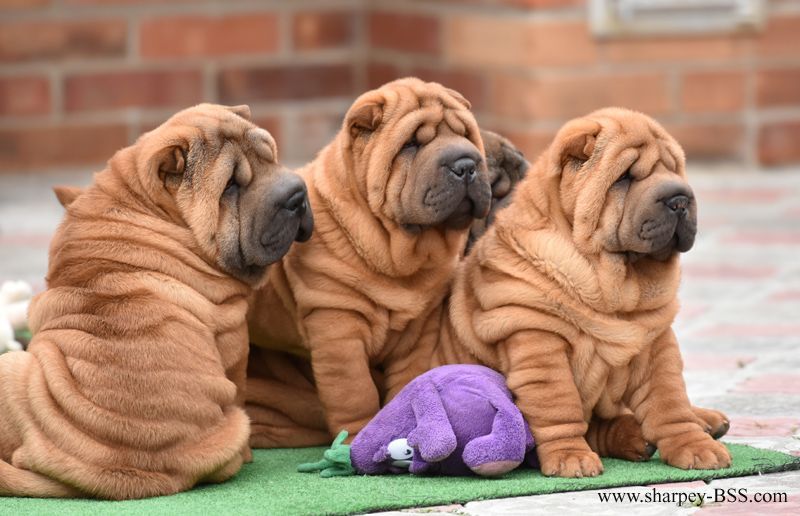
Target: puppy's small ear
column 514, row 161
column 243, row 110
column 366, row 117
column 578, row 140
column 171, row 166
column 67, row 194
column 461, row 99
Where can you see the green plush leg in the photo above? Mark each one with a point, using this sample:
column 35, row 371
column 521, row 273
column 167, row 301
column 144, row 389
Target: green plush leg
column 335, row 461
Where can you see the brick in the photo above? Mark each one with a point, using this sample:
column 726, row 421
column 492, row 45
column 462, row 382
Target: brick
column 777, row 143
column 704, row 271
column 713, row 92
column 715, row 361
column 715, row 48
column 44, row 40
column 786, row 296
column 24, row 96
column 780, row 38
column 560, row 98
column 779, row 87
column 285, row 82
column 312, row 131
column 541, row 4
column 737, row 196
column 472, row 85
column 481, row 40
column 199, row 36
column 379, row 74
column 522, row 4
column 312, row 30
column 20, row 5
column 411, row 33
column 748, row 427
column 113, row 90
column 750, row 331
column 772, row 384
column 761, row 238
column 124, row 2
column 708, row 140
column 532, row 143
column 59, row 146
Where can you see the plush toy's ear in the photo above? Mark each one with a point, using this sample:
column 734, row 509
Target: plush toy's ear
column 171, row 166
column 243, row 110
column 364, row 118
column 381, row 455
column 577, row 140
column 67, row 194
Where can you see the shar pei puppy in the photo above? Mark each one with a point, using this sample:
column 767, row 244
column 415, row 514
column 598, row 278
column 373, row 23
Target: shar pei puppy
column 507, row 166
column 572, row 292
column 394, row 195
column 133, row 384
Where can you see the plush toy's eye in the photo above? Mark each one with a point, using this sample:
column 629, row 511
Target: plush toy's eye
column 400, row 452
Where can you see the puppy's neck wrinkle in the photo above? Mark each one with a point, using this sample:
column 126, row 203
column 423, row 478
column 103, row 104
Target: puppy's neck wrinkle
column 104, row 233
column 370, row 235
column 536, row 230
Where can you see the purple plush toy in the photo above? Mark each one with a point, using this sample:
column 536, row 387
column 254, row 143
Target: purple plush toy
column 452, row 420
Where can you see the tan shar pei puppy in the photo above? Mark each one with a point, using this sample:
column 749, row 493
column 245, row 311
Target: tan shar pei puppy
column 394, row 195
column 572, row 292
column 133, row 384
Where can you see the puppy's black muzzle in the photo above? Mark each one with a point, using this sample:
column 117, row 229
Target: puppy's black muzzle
column 296, row 204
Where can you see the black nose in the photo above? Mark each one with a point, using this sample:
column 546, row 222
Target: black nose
column 677, row 203
column 297, row 202
column 464, row 167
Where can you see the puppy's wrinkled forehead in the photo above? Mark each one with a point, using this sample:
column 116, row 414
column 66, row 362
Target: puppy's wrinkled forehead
column 209, row 127
column 430, row 107
column 639, row 139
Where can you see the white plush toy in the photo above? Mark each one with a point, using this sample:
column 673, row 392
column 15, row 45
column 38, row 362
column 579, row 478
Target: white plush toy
column 15, row 296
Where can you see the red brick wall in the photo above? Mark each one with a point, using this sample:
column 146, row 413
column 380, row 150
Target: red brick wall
column 80, row 78
column 528, row 65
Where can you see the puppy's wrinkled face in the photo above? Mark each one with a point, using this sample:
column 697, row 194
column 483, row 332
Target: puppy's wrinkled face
column 649, row 208
column 419, row 150
column 218, row 173
column 507, row 167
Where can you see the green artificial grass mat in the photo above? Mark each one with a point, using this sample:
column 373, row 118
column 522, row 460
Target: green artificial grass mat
column 271, row 485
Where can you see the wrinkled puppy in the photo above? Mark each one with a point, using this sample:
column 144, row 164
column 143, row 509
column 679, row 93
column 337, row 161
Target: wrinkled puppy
column 507, row 166
column 572, row 292
column 394, row 195
column 133, row 385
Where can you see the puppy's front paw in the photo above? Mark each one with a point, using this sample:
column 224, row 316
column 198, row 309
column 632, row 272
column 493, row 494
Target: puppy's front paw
column 713, row 422
column 696, row 450
column 570, row 463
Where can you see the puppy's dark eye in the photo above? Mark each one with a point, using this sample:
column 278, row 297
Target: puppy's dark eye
column 412, row 143
column 625, row 178
column 232, row 185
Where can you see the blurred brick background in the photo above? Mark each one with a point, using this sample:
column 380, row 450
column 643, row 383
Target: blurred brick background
column 81, row 78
